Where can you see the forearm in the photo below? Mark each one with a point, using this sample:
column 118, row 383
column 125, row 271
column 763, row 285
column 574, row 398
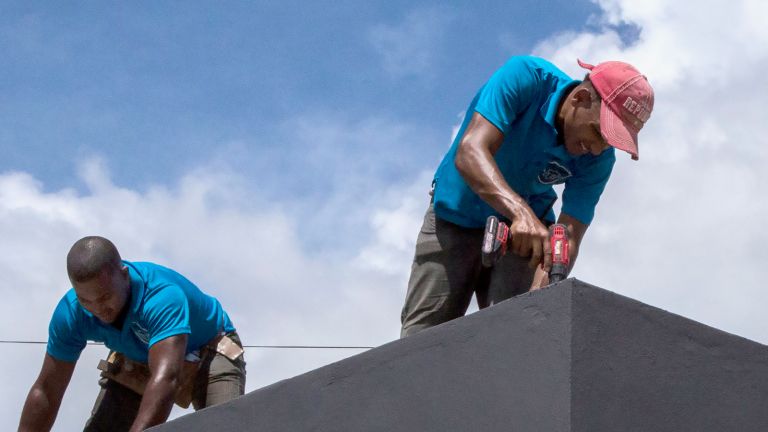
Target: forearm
column 156, row 404
column 478, row 168
column 39, row 411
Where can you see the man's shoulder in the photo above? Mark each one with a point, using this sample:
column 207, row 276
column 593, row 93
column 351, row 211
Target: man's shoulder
column 145, row 267
column 69, row 329
column 529, row 79
column 68, row 311
column 159, row 282
column 534, row 65
column 68, row 305
column 155, row 274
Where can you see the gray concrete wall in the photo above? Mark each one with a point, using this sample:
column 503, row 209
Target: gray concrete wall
column 502, row 369
column 639, row 368
column 572, row 357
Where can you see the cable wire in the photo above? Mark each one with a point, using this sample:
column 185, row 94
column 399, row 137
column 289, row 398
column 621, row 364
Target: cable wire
column 244, row 346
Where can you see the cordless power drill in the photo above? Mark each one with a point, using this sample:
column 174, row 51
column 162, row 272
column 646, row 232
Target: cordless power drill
column 496, row 238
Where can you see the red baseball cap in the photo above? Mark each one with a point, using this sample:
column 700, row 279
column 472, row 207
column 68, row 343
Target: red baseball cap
column 627, row 102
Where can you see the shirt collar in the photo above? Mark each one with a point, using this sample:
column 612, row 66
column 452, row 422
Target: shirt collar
column 137, row 289
column 549, row 112
column 549, row 109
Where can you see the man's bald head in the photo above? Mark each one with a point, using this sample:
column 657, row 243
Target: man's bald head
column 89, row 256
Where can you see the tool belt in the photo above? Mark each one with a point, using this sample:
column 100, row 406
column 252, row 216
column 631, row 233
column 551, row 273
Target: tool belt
column 135, row 375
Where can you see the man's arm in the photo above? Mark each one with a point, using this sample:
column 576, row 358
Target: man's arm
column 474, row 161
column 576, row 231
column 165, row 363
column 45, row 396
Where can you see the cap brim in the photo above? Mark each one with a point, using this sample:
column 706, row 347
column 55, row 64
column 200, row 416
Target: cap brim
column 617, row 133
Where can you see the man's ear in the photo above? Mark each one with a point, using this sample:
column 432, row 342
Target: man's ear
column 582, row 98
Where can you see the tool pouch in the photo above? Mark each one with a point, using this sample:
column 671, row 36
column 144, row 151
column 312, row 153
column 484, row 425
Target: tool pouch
column 228, row 348
column 134, row 375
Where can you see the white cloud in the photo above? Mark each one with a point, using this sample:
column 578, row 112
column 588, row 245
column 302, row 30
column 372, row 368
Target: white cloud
column 394, row 230
column 408, row 48
column 680, row 229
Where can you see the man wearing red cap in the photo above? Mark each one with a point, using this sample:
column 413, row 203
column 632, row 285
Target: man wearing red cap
column 528, row 128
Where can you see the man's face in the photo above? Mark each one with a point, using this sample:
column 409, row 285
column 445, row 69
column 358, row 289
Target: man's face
column 582, row 131
column 106, row 294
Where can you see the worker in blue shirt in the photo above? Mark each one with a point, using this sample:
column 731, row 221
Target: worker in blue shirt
column 170, row 342
column 528, row 128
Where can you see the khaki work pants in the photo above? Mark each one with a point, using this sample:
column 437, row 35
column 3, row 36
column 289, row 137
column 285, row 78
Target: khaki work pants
column 218, row 380
column 447, row 271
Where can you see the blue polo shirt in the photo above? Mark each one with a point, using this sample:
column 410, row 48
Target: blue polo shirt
column 163, row 304
column 521, row 99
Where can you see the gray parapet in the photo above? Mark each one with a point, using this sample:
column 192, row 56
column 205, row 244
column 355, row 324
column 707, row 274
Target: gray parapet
column 570, row 357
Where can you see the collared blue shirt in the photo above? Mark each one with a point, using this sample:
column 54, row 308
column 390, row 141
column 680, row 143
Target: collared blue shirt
column 163, row 303
column 522, row 99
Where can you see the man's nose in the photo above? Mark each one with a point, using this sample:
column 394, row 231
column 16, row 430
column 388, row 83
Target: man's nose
column 100, row 310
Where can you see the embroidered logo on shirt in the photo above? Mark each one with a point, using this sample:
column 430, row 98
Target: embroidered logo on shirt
column 141, row 333
column 554, row 173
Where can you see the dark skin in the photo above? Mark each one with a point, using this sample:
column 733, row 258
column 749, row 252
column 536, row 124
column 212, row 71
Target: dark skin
column 44, row 398
column 165, row 361
column 106, row 296
column 578, row 122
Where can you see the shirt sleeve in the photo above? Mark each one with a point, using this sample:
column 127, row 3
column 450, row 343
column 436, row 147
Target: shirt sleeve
column 65, row 337
column 167, row 314
column 582, row 190
column 506, row 94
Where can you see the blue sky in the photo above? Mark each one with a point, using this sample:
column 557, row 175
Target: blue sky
column 279, row 155
column 157, row 89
